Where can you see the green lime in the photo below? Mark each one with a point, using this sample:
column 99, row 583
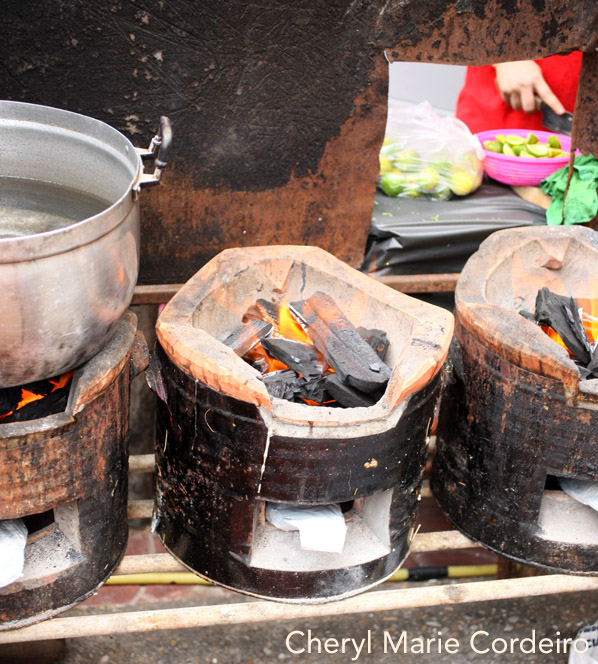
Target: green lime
column 538, row 150
column 501, row 138
column 407, row 160
column 392, row 184
column 554, row 142
column 411, row 191
column 493, row 146
column 531, row 139
column 517, row 149
column 525, row 153
column 513, row 139
column 442, row 193
column 508, row 150
column 428, row 179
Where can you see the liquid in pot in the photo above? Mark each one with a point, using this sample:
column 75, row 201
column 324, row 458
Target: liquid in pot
column 28, row 207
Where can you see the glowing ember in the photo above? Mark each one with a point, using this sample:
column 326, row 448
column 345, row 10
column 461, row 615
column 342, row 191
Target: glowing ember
column 32, row 392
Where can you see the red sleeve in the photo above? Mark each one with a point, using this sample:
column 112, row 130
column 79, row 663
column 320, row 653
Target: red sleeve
column 481, row 107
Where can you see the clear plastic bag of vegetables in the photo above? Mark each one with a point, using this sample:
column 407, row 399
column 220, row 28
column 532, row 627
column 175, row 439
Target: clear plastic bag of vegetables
column 426, row 154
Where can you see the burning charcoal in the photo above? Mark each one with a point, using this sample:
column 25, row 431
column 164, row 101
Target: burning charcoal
column 262, row 310
column 9, row 399
column 562, row 315
column 315, row 390
column 283, row 384
column 345, row 395
column 247, row 335
column 55, row 402
column 377, row 339
column 334, row 336
column 300, row 357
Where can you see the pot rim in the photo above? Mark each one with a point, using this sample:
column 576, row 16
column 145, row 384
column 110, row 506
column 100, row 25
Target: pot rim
column 77, row 234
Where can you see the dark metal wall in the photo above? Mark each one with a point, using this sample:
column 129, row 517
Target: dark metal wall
column 278, row 108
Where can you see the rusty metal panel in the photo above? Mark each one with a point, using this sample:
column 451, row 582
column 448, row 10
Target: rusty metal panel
column 278, row 108
column 481, row 32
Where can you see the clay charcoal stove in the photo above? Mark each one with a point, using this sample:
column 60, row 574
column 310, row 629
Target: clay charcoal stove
column 239, row 439
column 519, row 416
column 63, row 471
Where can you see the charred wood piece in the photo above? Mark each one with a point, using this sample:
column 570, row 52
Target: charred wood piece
column 284, row 384
column 377, row 339
column 315, row 390
column 243, row 338
column 562, row 315
column 346, row 395
column 336, row 338
column 300, row 357
column 262, row 310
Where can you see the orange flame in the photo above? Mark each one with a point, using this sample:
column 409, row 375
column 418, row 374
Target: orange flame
column 555, row 337
column 589, row 316
column 28, row 397
column 289, row 328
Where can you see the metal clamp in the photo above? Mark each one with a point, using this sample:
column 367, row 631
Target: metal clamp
column 158, row 150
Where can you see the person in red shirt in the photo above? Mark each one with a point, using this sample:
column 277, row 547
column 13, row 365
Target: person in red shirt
column 507, row 95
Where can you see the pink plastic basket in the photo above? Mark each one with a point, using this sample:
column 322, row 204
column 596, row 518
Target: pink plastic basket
column 522, row 170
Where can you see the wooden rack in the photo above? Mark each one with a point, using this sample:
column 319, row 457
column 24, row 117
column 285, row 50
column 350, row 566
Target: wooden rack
column 262, row 611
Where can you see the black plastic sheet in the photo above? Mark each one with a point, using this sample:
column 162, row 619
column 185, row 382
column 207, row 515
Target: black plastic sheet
column 421, row 236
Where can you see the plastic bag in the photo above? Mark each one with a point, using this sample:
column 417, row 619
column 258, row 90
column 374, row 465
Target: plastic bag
column 321, row 527
column 584, row 491
column 423, row 236
column 13, row 539
column 426, row 153
column 584, row 649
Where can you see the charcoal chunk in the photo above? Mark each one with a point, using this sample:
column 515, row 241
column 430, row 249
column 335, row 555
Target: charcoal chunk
column 355, row 362
column 243, row 338
column 262, row 310
column 346, row 395
column 315, row 390
column 284, row 384
column 300, row 357
column 562, row 315
column 377, row 339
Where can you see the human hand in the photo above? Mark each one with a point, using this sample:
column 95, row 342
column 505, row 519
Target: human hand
column 521, row 83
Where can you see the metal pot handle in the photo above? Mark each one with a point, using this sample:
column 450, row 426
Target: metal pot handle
column 158, row 151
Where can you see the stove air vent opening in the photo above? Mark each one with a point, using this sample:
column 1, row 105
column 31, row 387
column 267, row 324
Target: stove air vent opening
column 367, row 538
column 563, row 518
column 53, row 542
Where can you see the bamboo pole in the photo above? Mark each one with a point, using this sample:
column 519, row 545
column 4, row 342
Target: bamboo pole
column 255, row 612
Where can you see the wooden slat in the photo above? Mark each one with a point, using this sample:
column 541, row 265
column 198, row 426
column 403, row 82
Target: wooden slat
column 256, row 612
column 141, row 463
column 406, row 283
column 157, row 294
column 421, row 283
column 140, row 509
column 164, row 562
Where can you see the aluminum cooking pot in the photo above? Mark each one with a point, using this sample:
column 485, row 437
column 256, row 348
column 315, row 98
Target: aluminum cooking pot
column 69, row 235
